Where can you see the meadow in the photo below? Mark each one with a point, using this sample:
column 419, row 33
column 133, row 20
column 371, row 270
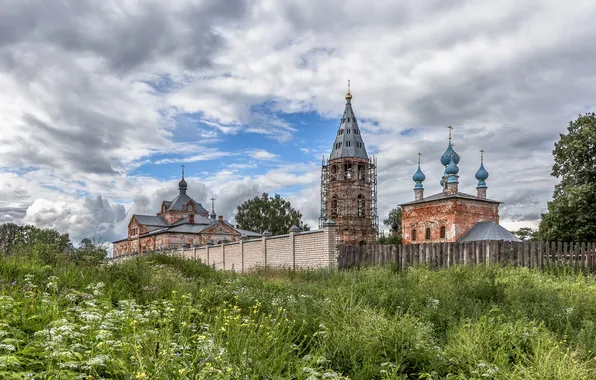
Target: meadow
column 161, row 317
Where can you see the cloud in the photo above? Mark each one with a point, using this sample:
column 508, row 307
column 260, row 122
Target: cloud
column 94, row 90
column 91, row 217
column 261, row 154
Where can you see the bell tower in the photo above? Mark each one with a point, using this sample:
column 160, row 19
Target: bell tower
column 349, row 184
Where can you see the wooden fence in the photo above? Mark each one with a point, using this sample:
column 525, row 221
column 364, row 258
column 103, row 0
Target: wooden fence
column 533, row 254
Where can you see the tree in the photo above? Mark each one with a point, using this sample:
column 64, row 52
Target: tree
column 394, row 221
column 273, row 214
column 525, row 233
column 571, row 214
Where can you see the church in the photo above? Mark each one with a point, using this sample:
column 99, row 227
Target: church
column 349, row 184
column 451, row 215
column 181, row 222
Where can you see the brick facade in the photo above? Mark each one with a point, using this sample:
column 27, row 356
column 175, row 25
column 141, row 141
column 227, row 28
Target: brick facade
column 456, row 215
column 179, row 223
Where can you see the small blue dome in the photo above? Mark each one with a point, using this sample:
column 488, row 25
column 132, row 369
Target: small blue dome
column 418, row 185
column 452, row 179
column 481, row 174
column 452, row 168
column 446, row 157
column 418, row 176
column 442, row 183
column 481, row 184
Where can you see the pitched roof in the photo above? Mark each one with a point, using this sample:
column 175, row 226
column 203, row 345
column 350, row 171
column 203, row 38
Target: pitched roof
column 348, row 141
column 151, row 220
column 177, row 204
column 441, row 196
column 199, row 219
column 488, row 231
column 187, row 228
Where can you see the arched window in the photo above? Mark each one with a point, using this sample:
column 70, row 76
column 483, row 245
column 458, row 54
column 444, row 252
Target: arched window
column 442, row 232
column 427, row 237
column 361, row 204
column 334, row 206
column 414, row 234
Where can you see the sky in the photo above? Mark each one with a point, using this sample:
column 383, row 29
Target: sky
column 103, row 100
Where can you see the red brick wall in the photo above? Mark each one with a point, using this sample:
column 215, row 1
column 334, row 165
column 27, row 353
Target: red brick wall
column 456, row 215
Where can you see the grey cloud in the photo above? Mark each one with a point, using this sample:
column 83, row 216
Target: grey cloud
column 126, row 35
column 92, row 218
column 11, row 214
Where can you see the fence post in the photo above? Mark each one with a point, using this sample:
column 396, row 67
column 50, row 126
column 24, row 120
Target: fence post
column 293, row 230
column 266, row 234
column 223, row 255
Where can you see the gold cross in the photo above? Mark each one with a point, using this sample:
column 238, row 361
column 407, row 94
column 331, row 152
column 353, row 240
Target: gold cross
column 348, row 86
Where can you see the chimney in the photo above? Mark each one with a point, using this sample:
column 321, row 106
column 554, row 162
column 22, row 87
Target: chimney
column 220, row 218
column 191, row 219
column 481, row 192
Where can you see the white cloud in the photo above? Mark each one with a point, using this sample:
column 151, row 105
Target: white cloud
column 261, row 154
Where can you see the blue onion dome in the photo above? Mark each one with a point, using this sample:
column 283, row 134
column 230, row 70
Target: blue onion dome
column 481, row 174
column 452, row 168
column 418, row 176
column 446, row 157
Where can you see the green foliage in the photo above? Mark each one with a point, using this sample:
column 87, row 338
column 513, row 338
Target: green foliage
column 526, row 233
column 394, row 221
column 160, row 317
column 571, row 214
column 13, row 237
column 265, row 213
column 387, row 239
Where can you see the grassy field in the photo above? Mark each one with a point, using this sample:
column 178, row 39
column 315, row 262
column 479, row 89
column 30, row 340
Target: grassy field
column 164, row 318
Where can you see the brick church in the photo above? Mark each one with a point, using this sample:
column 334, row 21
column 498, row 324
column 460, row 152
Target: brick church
column 181, row 222
column 451, row 215
column 349, row 184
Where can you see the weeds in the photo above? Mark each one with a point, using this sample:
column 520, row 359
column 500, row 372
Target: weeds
column 162, row 317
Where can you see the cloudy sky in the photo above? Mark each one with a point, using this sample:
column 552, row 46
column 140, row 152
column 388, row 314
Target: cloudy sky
column 101, row 101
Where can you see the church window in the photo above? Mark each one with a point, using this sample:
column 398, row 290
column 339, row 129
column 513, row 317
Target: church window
column 427, row 237
column 361, row 204
column 442, row 232
column 334, row 206
column 348, row 130
column 414, row 234
column 348, row 143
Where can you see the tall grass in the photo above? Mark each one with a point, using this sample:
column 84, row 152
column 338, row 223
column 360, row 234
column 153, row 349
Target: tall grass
column 161, row 317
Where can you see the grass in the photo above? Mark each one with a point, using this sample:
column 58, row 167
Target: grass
column 162, row 317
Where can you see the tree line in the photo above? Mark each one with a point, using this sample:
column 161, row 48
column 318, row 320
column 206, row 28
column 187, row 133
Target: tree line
column 48, row 245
